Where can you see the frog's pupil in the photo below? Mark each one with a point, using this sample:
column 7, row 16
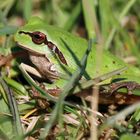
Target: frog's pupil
column 37, row 36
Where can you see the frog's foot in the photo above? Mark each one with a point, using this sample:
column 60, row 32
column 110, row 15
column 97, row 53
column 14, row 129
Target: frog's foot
column 54, row 92
column 41, row 103
column 130, row 86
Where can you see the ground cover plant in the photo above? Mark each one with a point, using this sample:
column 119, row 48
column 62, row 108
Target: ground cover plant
column 99, row 78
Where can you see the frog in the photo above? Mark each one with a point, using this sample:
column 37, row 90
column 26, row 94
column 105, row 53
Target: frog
column 56, row 54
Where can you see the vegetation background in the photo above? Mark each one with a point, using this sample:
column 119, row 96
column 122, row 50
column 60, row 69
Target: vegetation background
column 115, row 24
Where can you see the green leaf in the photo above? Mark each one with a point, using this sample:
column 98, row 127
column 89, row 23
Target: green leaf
column 7, row 30
column 6, row 125
column 136, row 115
column 15, row 85
column 129, row 137
column 27, row 10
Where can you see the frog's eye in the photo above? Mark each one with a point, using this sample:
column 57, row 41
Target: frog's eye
column 38, row 37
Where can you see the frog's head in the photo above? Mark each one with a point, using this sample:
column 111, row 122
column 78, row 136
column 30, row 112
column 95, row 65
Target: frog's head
column 26, row 36
column 33, row 37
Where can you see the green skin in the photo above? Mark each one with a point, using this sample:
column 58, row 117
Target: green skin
column 77, row 45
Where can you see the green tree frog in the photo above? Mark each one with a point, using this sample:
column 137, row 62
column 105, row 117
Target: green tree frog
column 56, row 54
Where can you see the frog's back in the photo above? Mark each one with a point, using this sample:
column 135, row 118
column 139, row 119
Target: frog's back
column 74, row 48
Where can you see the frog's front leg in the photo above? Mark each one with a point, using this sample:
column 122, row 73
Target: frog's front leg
column 31, row 70
column 55, row 91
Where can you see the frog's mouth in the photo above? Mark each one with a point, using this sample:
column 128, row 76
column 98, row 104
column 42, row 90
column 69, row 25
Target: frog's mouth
column 30, row 50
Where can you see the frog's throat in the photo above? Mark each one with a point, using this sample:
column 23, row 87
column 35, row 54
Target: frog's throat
column 45, row 67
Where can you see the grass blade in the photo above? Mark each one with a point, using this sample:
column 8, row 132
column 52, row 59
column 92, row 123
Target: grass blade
column 13, row 109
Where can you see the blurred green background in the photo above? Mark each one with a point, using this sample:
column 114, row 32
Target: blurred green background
column 113, row 23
